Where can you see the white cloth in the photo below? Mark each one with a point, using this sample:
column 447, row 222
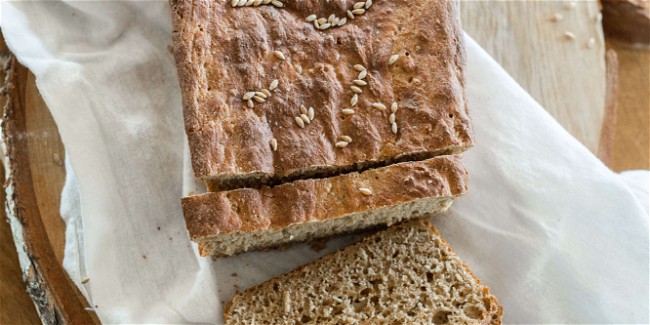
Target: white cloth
column 557, row 236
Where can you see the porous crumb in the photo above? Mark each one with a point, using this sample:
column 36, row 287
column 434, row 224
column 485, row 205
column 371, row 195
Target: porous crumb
column 404, row 275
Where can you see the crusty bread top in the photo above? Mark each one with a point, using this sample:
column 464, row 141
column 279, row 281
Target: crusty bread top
column 244, row 210
column 223, row 52
column 406, row 274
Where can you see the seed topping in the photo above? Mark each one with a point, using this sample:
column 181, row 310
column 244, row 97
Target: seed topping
column 393, row 58
column 273, row 85
column 279, row 54
column 354, row 100
column 365, row 191
column 300, row 122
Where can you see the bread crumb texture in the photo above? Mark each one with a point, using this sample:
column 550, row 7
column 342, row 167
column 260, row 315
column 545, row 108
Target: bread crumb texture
column 405, row 275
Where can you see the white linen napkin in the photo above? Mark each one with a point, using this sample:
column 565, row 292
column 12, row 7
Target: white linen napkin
column 557, row 236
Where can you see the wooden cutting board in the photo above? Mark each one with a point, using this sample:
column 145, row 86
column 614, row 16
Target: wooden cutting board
column 38, row 172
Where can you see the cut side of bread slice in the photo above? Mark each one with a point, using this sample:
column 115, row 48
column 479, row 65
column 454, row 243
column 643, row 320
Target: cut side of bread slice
column 406, row 274
column 231, row 222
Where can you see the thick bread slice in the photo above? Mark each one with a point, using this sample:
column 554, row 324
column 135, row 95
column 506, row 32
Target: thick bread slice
column 230, row 222
column 224, row 52
column 406, row 274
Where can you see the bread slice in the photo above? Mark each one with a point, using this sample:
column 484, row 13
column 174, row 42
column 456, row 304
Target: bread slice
column 406, row 274
column 223, row 52
column 230, row 222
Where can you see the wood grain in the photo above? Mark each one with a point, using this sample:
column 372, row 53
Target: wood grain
column 15, row 305
column 565, row 76
column 631, row 148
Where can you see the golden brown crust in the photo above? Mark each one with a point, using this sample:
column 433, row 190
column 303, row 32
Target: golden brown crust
column 223, row 52
column 247, row 210
column 495, row 310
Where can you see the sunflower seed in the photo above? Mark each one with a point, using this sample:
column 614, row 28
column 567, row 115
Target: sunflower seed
column 300, row 122
column 358, row 5
column 274, row 144
column 260, row 94
column 273, row 85
column 358, row 11
column 391, row 118
column 310, row 113
column 316, row 24
column 321, row 21
column 347, row 111
column 356, row 89
column 379, row 106
column 330, row 19
column 354, row 100
column 325, row 26
column 359, row 68
column 250, row 103
column 249, row 3
column 341, row 144
column 393, row 107
column 248, row 95
column 279, row 55
column 393, row 58
column 393, row 127
column 368, row 4
column 303, row 109
column 362, row 74
column 266, row 92
column 257, row 3
column 335, row 22
column 85, row 280
column 259, row 99
column 305, row 118
column 359, row 82
column 346, row 138
column 234, row 3
column 242, row 3
column 350, row 14
column 311, row 18
column 277, row 3
column 365, row 191
column 342, row 21
column 298, row 68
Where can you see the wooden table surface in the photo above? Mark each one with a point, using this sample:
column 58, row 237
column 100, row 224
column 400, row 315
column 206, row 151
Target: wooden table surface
column 566, row 76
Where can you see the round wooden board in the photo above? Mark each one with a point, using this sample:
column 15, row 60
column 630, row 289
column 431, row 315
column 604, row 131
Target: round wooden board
column 34, row 178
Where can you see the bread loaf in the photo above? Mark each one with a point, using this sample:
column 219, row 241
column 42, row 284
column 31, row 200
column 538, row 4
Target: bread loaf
column 230, row 222
column 385, row 86
column 406, row 274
